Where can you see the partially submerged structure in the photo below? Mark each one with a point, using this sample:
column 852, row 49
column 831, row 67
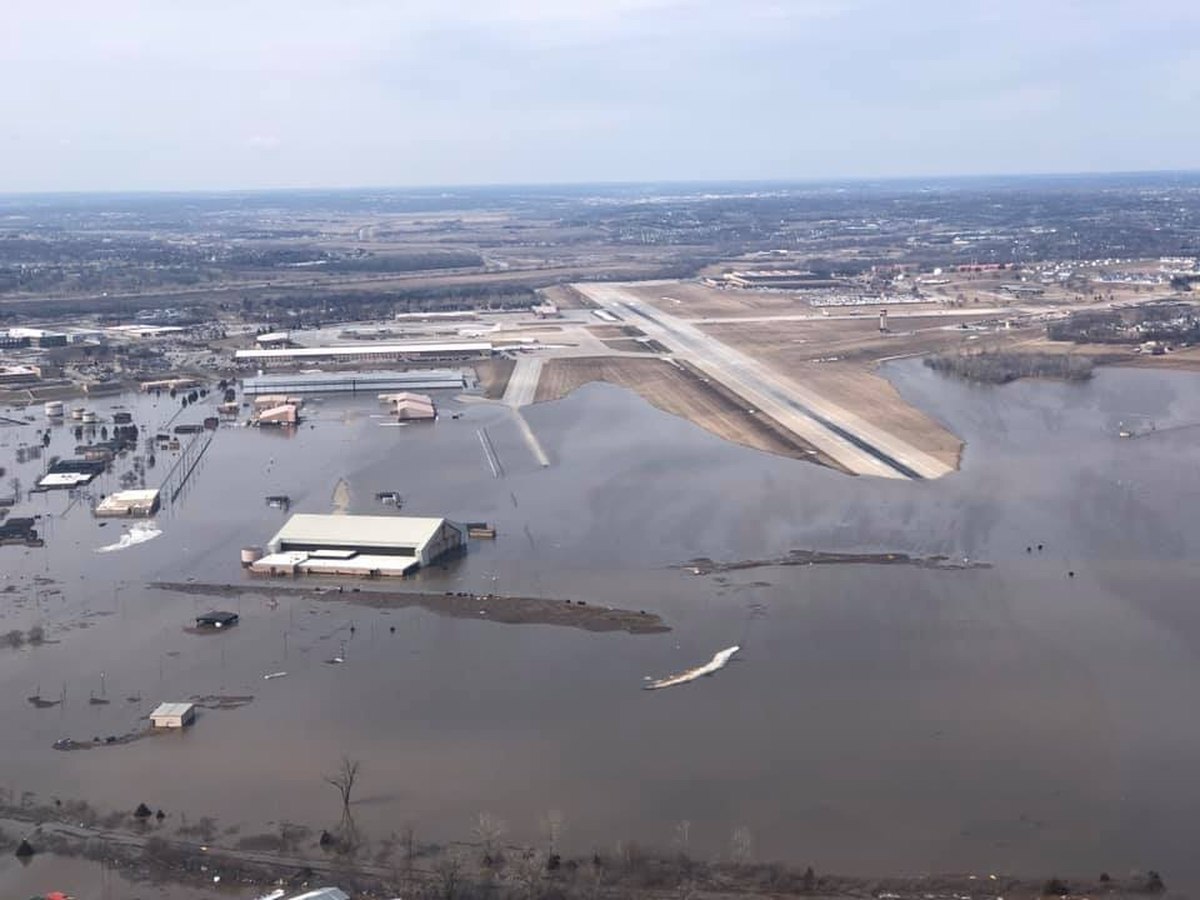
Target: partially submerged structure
column 173, row 715
column 285, row 414
column 70, row 473
column 217, row 619
column 406, row 405
column 369, row 546
column 129, row 503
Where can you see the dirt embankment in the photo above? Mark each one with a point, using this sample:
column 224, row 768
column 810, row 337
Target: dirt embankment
column 493, row 375
column 487, row 607
column 681, row 390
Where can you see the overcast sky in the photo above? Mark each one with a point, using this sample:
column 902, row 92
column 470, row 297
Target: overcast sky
column 215, row 94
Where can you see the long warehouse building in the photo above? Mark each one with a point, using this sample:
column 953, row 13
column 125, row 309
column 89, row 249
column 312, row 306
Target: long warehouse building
column 374, row 382
column 409, row 352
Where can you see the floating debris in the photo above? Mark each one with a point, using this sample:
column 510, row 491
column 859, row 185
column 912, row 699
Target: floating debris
column 719, row 661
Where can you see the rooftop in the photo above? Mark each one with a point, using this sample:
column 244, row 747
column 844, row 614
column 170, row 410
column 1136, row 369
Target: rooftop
column 372, row 350
column 362, row 531
column 172, row 709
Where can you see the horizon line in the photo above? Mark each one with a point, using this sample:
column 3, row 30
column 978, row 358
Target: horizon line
column 614, row 183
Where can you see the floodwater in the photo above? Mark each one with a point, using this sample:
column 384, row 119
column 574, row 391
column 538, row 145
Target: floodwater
column 877, row 719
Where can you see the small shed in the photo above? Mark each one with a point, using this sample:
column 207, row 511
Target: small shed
column 173, row 715
column 217, row 619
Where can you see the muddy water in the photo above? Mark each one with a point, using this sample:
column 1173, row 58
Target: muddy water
column 876, row 719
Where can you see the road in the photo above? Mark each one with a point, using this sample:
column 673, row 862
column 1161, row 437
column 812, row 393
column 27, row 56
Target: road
column 861, row 447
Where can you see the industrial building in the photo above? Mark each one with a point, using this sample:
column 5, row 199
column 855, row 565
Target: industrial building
column 70, row 473
column 409, row 352
column 283, row 414
column 128, row 503
column 19, row 374
column 408, row 406
column 780, row 279
column 358, row 545
column 173, row 715
column 352, row 382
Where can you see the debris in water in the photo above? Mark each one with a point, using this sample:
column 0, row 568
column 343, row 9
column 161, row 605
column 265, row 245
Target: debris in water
column 138, row 534
column 719, row 661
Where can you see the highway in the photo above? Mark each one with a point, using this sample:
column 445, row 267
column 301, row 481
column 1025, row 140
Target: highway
column 861, row 447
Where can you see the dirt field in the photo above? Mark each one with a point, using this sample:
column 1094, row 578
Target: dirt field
column 493, row 375
column 682, row 392
column 838, row 359
column 628, row 345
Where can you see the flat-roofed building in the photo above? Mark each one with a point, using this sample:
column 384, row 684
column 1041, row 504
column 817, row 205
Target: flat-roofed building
column 173, row 715
column 129, row 503
column 413, row 352
column 358, row 545
column 353, row 382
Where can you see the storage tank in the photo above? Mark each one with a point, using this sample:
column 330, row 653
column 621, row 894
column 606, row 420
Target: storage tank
column 251, row 555
column 55, row 409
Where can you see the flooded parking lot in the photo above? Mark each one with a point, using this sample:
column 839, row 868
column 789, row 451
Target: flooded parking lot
column 876, row 718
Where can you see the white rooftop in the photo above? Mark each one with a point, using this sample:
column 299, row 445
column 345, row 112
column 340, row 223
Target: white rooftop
column 141, row 495
column 359, row 531
column 172, row 709
column 371, row 350
column 64, row 479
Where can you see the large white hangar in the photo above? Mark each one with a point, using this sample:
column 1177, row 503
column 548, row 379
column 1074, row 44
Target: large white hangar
column 358, row 545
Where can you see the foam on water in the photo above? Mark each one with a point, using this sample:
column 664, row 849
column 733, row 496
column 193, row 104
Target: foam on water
column 139, row 533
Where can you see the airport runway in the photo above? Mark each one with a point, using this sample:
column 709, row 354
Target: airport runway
column 522, row 384
column 859, row 446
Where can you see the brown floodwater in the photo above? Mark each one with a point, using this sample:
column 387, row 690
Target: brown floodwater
column 878, row 719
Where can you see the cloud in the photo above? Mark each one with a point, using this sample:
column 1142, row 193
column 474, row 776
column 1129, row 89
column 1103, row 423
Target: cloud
column 153, row 94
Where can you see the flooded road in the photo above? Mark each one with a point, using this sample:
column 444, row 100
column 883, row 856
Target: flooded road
column 875, row 719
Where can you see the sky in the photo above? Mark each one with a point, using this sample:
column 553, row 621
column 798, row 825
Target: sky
column 243, row 94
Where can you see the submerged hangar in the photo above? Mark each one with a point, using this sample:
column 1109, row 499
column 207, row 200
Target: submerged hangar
column 358, row 545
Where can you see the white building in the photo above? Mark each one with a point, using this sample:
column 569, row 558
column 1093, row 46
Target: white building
column 358, row 545
column 173, row 715
column 129, row 503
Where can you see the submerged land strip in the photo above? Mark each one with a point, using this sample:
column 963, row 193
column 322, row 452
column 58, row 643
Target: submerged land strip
column 705, row 566
column 508, row 610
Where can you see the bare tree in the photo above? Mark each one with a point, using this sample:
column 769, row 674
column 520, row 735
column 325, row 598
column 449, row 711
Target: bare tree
column 741, row 845
column 488, row 830
column 553, row 825
column 343, row 780
column 527, row 872
column 449, row 872
column 683, row 836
